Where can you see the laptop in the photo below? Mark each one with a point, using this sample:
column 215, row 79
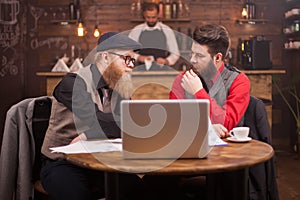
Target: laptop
column 166, row 129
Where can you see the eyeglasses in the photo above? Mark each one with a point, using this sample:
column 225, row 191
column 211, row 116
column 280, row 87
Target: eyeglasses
column 127, row 59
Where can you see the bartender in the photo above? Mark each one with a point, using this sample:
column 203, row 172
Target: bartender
column 160, row 48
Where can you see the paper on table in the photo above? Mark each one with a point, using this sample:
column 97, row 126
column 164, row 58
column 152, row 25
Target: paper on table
column 213, row 138
column 90, row 147
column 220, row 142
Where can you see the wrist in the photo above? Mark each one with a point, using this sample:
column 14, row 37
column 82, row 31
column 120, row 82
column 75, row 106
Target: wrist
column 82, row 136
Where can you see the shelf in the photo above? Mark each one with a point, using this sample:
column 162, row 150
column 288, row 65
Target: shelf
column 292, row 49
column 64, row 22
column 293, row 34
column 252, row 21
column 292, row 2
column 293, row 18
column 164, row 20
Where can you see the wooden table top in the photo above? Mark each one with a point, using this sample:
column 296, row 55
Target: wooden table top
column 235, row 156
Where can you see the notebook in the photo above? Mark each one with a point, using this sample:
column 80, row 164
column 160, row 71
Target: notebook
column 167, row 129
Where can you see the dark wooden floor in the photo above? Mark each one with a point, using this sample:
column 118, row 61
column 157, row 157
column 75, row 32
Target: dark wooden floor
column 288, row 174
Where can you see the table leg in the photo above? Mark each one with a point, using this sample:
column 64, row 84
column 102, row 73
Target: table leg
column 111, row 186
column 228, row 185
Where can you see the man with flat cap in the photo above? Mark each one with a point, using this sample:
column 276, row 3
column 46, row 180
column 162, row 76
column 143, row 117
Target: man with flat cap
column 86, row 105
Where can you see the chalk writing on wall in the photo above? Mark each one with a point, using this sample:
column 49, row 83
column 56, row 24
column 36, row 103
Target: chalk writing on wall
column 9, row 39
column 57, row 42
column 10, row 36
column 36, row 12
column 8, row 62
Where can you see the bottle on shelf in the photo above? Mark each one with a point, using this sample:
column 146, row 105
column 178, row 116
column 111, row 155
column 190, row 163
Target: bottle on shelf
column 161, row 9
column 133, row 9
column 247, row 7
column 252, row 9
column 174, row 9
column 180, row 8
column 186, row 9
column 167, row 10
column 138, row 8
column 78, row 14
column 72, row 15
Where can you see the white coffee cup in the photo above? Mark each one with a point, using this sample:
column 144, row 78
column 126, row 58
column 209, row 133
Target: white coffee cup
column 240, row 133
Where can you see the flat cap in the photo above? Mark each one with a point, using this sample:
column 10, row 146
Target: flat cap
column 114, row 40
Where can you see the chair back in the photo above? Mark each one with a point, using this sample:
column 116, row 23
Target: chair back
column 262, row 182
column 257, row 119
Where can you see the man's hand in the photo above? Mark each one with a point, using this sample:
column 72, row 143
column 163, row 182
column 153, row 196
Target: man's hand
column 221, row 131
column 191, row 82
column 162, row 61
column 82, row 136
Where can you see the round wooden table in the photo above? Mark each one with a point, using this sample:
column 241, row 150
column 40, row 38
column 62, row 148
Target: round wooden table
column 234, row 158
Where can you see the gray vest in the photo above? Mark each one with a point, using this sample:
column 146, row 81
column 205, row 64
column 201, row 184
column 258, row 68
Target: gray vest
column 220, row 89
column 62, row 130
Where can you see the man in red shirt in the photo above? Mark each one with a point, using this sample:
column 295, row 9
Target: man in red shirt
column 227, row 89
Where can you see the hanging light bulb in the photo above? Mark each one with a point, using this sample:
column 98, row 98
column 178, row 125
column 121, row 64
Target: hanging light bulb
column 96, row 32
column 244, row 13
column 80, row 30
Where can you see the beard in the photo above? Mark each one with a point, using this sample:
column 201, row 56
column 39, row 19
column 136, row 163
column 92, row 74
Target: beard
column 118, row 80
column 207, row 73
column 151, row 24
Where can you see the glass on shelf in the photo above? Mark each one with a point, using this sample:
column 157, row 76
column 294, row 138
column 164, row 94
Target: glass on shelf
column 135, row 9
column 186, row 10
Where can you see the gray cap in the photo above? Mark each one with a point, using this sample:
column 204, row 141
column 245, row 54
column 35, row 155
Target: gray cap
column 114, row 40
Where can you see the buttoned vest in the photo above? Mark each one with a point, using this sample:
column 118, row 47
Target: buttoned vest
column 64, row 126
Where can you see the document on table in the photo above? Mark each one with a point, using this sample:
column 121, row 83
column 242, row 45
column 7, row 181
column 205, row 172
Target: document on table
column 92, row 146
column 213, row 138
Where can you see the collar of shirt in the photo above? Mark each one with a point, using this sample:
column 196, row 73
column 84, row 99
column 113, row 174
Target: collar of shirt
column 214, row 79
column 157, row 26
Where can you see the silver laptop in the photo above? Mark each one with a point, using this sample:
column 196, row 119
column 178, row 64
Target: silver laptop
column 168, row 129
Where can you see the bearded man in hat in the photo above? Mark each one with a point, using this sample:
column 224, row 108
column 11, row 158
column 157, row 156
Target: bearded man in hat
column 86, row 105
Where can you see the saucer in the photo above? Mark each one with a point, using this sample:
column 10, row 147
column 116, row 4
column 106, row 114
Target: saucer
column 233, row 139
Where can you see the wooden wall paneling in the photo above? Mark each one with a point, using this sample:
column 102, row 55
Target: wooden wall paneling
column 224, row 12
column 263, row 86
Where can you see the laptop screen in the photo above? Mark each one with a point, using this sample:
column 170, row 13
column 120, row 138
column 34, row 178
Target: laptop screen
column 165, row 128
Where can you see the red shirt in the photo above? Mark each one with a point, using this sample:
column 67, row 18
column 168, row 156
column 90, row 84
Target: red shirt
column 234, row 107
